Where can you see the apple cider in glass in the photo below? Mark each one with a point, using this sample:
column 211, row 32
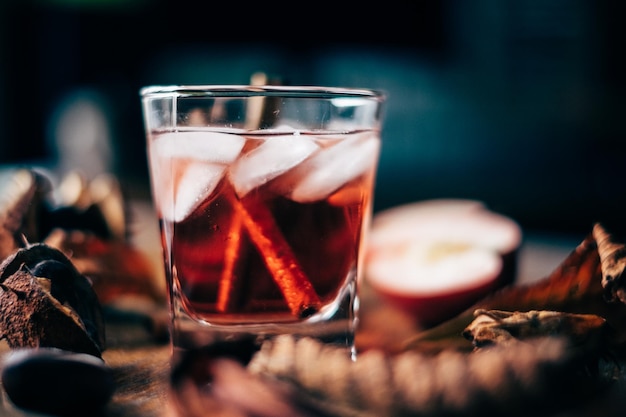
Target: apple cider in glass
column 262, row 227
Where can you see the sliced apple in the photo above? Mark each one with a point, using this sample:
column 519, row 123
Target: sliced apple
column 436, row 258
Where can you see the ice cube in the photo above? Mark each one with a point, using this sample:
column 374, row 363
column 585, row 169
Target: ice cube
column 216, row 147
column 182, row 185
column 187, row 166
column 332, row 167
column 276, row 155
column 195, row 184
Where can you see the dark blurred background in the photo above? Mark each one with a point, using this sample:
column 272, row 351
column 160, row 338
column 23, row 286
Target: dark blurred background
column 516, row 103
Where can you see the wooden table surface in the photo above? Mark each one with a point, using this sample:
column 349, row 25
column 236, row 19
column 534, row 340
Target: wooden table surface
column 141, row 364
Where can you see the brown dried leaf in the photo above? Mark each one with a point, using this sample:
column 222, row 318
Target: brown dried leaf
column 21, row 198
column 502, row 327
column 575, row 286
column 613, row 261
column 97, row 206
column 115, row 268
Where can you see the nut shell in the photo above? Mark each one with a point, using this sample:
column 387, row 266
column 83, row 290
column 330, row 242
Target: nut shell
column 58, row 310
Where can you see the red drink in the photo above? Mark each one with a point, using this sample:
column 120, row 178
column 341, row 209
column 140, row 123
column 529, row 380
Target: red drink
column 266, row 228
column 263, row 194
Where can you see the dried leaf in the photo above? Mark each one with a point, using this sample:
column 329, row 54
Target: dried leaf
column 21, row 206
column 96, row 206
column 503, row 327
column 612, row 258
column 87, row 222
column 575, row 286
column 115, row 268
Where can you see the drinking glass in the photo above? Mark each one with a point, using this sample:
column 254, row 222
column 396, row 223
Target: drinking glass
column 264, row 195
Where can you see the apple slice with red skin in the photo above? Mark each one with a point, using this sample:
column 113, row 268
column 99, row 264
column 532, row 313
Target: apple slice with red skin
column 435, row 258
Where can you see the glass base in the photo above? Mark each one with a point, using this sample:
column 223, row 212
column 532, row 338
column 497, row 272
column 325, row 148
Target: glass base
column 336, row 326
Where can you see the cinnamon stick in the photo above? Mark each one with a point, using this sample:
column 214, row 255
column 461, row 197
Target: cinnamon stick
column 279, row 258
column 227, row 295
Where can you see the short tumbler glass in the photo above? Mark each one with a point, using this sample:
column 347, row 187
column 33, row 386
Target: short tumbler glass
column 264, row 195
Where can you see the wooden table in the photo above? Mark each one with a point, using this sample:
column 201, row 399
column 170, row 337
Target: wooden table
column 141, row 364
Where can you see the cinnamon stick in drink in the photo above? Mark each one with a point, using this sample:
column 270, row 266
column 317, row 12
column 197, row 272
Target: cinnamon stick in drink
column 279, row 258
column 228, row 293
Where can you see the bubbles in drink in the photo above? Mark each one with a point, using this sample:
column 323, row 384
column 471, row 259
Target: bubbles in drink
column 273, row 157
column 187, row 168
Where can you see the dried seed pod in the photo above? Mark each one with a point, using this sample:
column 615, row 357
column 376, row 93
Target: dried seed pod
column 46, row 302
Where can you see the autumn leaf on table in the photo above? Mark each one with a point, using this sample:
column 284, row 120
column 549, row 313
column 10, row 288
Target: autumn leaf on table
column 115, row 267
column 612, row 258
column 577, row 286
column 87, row 221
column 22, row 202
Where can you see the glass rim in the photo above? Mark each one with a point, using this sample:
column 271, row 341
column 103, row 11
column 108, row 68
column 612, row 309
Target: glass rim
column 209, row 90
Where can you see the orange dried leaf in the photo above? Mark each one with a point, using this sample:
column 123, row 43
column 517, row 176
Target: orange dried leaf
column 116, row 268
